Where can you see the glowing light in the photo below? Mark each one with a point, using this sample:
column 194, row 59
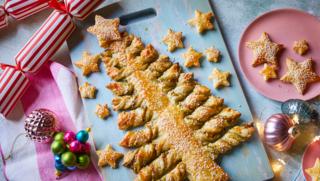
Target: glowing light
column 278, row 165
column 260, row 127
column 316, row 138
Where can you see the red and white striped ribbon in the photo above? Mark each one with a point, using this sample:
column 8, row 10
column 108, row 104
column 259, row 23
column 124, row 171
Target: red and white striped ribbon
column 55, row 30
column 20, row 9
column 13, row 84
column 40, row 48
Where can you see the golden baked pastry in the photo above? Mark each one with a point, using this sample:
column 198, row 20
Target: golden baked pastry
column 219, row 78
column 173, row 40
column 106, row 30
column 171, row 107
column 300, row 74
column 264, row 50
column 87, row 91
column 269, row 72
column 102, row 111
column 212, row 54
column 314, row 171
column 88, row 63
column 108, row 157
column 202, row 21
column 301, row 47
column 192, row 58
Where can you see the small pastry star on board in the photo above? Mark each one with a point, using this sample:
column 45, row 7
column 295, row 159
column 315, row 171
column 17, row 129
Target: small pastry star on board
column 269, row 72
column 212, row 54
column 202, row 21
column 89, row 63
column 102, row 111
column 192, row 58
column 87, row 91
column 173, row 40
column 106, row 30
column 300, row 74
column 108, row 157
column 264, row 50
column 300, row 47
column 314, row 171
column 219, row 78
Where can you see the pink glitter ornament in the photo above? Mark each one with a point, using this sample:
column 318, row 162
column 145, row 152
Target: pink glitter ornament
column 69, row 136
column 75, row 146
column 40, row 125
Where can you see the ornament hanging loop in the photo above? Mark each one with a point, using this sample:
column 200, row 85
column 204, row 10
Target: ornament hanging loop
column 12, row 146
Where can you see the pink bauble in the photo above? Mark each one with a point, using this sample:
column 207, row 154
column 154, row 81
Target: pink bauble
column 75, row 146
column 85, row 148
column 69, row 136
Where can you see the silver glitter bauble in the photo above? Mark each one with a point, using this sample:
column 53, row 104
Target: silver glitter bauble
column 40, row 125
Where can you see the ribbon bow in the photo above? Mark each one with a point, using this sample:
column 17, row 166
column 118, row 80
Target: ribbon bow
column 20, row 9
column 40, row 48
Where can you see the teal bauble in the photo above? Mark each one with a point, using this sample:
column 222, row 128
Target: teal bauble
column 68, row 159
column 57, row 147
column 83, row 161
column 59, row 136
column 82, row 136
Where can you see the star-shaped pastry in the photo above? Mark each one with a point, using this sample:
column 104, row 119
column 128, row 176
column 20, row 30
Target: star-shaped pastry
column 314, row 171
column 264, row 50
column 269, row 72
column 202, row 21
column 173, row 40
column 102, row 111
column 106, row 30
column 88, row 63
column 300, row 47
column 108, row 157
column 212, row 54
column 87, row 91
column 192, row 58
column 219, row 78
column 300, row 74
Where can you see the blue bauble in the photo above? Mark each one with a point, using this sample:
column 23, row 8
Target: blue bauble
column 302, row 111
column 82, row 136
column 60, row 166
column 57, row 159
column 71, row 168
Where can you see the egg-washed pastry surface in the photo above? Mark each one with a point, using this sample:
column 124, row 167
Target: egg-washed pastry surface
column 264, row 50
column 184, row 128
column 300, row 74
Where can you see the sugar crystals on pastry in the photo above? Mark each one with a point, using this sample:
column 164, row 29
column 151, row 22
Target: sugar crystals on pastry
column 89, row 63
column 106, row 30
column 269, row 72
column 192, row 58
column 173, row 40
column 108, row 157
column 264, row 50
column 212, row 54
column 219, row 78
column 87, row 91
column 300, row 74
column 102, row 111
column 301, row 47
column 202, row 21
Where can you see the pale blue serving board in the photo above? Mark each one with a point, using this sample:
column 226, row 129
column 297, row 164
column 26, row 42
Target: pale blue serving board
column 248, row 162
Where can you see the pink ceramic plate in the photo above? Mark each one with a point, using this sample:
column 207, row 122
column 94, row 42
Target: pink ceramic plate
column 284, row 26
column 309, row 157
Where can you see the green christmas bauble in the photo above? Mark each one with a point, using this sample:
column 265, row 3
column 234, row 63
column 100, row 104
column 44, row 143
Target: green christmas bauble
column 68, row 158
column 59, row 136
column 83, row 161
column 57, row 147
